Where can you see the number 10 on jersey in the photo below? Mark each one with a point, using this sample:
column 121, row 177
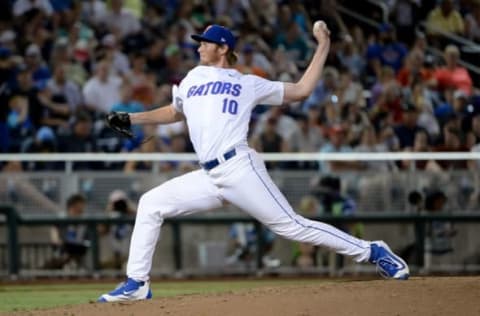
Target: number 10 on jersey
column 230, row 106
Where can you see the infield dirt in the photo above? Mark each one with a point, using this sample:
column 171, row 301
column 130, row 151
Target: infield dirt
column 459, row 296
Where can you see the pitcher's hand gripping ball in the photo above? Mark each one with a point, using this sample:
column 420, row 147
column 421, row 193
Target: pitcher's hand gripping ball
column 120, row 123
column 321, row 31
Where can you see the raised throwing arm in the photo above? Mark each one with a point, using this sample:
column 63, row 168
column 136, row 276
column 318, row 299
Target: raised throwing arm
column 304, row 87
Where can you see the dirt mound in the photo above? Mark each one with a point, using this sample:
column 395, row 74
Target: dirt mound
column 418, row 296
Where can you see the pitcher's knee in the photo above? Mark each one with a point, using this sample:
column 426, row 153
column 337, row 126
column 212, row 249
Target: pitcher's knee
column 148, row 205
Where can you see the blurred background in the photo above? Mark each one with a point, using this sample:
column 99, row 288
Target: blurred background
column 400, row 77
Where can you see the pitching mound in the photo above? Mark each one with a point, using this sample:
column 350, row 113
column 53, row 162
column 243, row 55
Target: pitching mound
column 418, row 296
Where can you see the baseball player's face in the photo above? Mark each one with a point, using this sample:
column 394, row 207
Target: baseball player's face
column 210, row 53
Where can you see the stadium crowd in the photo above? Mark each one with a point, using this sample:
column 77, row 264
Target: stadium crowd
column 65, row 63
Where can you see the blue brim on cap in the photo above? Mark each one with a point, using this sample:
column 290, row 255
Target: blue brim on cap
column 216, row 34
column 201, row 38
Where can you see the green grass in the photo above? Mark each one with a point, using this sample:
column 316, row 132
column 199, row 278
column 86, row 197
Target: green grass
column 30, row 297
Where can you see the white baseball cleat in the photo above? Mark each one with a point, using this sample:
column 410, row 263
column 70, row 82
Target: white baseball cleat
column 389, row 265
column 129, row 290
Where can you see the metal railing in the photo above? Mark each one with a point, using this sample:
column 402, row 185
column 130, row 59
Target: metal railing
column 14, row 221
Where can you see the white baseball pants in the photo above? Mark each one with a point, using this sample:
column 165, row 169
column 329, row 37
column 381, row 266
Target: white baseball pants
column 244, row 182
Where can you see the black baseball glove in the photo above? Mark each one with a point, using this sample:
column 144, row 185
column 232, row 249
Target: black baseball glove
column 120, row 123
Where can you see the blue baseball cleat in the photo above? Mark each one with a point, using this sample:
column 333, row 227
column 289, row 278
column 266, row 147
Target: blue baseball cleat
column 129, row 290
column 389, row 265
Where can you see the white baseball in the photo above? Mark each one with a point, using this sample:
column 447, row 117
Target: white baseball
column 317, row 25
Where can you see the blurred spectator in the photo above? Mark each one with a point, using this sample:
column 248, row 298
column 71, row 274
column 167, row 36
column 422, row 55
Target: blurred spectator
column 243, row 239
column 269, row 140
column 445, row 18
column 370, row 144
column 155, row 58
column 56, row 111
column 119, row 63
column 387, row 97
column 73, row 58
column 349, row 91
column 423, row 99
column 420, row 144
column 22, row 6
column 102, row 91
column 174, row 70
column 142, row 81
column 18, row 122
column 72, row 241
column 328, row 191
column 79, row 140
column 337, row 144
column 414, row 69
column 247, row 66
column 450, row 142
column 407, row 129
column 285, row 125
column 324, row 89
column 349, row 56
column 33, row 60
column 121, row 21
column 472, row 23
column 61, row 87
column 387, row 51
column 452, row 75
column 294, row 43
column 285, row 68
column 43, row 142
column 406, row 17
column 118, row 206
column 94, row 11
column 310, row 136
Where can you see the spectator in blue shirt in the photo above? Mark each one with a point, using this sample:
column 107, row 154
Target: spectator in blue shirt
column 388, row 52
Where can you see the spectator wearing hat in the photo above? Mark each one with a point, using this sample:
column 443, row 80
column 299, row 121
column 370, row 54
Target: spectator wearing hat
column 452, row 75
column 118, row 60
column 33, row 59
column 118, row 235
column 73, row 57
column 44, row 141
column 175, row 69
column 7, row 40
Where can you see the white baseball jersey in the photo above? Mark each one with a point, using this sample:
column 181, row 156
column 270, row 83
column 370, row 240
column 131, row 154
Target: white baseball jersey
column 217, row 104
